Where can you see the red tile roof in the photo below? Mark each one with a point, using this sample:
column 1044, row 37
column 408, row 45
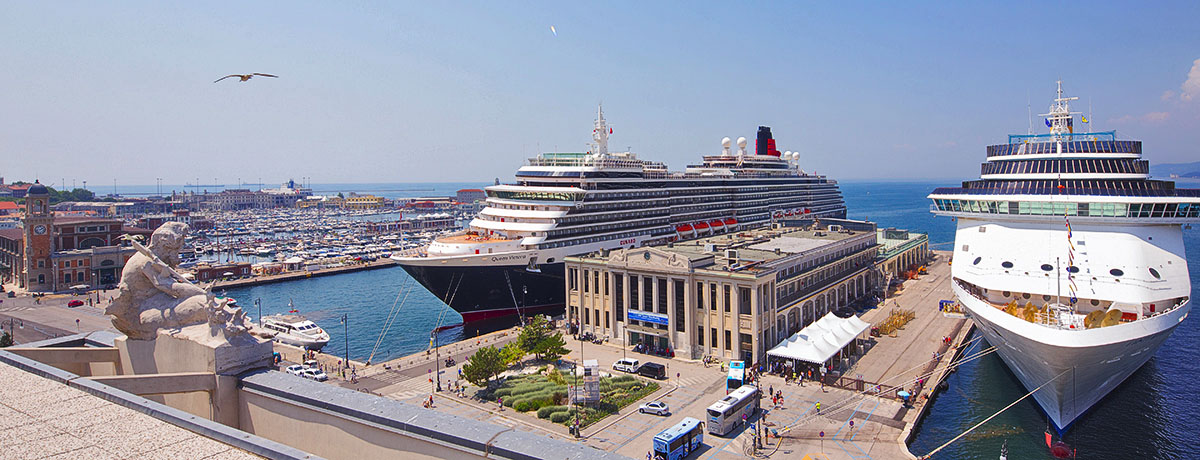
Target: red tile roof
column 14, row 234
column 8, row 205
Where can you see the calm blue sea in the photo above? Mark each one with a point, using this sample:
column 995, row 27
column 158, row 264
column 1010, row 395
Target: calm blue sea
column 1154, row 414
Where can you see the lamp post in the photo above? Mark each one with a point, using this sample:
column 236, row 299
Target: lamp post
column 346, row 335
column 258, row 303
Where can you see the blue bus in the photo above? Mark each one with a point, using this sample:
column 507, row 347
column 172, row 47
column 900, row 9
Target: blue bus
column 737, row 376
column 677, row 442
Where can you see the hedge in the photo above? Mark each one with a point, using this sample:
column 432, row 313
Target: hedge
column 559, row 417
column 545, row 412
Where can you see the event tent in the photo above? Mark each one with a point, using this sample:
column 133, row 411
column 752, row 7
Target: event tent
column 820, row 340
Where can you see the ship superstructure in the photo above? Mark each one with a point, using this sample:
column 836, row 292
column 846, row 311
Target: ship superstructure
column 509, row 260
column 1069, row 258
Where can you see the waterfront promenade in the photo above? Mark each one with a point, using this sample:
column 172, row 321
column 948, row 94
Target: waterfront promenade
column 299, row 275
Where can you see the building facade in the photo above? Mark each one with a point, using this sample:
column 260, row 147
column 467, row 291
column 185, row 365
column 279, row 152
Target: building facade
column 50, row 253
column 732, row 296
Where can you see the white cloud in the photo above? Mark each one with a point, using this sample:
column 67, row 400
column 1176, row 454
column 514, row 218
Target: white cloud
column 1155, row 117
column 1121, row 120
column 1168, row 95
column 1191, row 87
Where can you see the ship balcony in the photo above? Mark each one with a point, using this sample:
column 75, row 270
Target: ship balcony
column 1055, row 312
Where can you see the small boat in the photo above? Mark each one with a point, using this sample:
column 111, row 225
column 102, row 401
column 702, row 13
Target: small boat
column 296, row 330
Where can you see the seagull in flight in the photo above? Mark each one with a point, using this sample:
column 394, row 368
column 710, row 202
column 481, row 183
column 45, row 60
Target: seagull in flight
column 246, row 76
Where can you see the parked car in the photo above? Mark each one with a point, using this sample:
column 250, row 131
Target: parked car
column 655, row 407
column 296, row 369
column 75, row 303
column 312, row 363
column 626, row 365
column 315, row 374
column 653, row 370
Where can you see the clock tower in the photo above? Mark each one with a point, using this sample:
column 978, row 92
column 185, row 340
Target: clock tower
column 38, row 227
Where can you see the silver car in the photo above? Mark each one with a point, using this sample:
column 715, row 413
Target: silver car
column 655, row 407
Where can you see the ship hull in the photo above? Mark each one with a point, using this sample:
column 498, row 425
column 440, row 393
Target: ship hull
column 1085, row 366
column 486, row 292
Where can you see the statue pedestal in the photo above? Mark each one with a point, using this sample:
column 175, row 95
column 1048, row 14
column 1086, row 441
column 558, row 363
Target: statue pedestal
column 197, row 348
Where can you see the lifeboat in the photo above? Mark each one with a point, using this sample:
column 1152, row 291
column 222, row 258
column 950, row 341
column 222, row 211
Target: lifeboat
column 716, row 225
column 685, row 229
column 790, row 213
column 806, row 210
column 701, row 226
column 730, row 222
column 778, row 214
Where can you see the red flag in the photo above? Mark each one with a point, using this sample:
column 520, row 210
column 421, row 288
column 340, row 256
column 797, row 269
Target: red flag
column 610, row 130
column 1048, row 439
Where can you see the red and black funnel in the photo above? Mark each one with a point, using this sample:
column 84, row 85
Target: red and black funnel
column 765, row 144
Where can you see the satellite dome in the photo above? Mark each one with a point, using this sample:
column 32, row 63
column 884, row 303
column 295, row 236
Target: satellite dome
column 741, row 142
column 726, row 142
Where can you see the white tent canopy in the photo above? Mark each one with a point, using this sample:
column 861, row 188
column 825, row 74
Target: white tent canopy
column 820, row 340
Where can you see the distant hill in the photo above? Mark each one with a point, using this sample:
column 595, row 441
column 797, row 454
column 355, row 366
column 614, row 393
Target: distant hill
column 1164, row 171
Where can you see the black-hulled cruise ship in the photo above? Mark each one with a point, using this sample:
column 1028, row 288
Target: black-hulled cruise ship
column 509, row 260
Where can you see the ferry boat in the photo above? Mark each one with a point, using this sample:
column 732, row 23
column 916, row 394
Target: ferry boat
column 1069, row 258
column 509, row 259
column 296, row 330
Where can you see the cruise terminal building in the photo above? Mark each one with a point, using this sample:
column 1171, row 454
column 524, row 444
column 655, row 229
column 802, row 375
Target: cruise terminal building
column 734, row 295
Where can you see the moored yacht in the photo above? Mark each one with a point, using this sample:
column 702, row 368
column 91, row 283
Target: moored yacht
column 296, row 330
column 509, row 260
column 1070, row 259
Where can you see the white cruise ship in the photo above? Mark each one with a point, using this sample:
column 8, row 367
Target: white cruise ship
column 1070, row 259
column 509, row 260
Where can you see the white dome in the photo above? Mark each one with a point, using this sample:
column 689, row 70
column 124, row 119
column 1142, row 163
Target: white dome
column 726, row 142
column 741, row 142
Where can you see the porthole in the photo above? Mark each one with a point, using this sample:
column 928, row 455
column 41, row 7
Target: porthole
column 1116, row 272
column 1095, row 302
column 1072, row 269
column 1046, row 298
column 1025, row 295
column 1155, row 274
column 1006, row 264
column 550, row 260
column 1006, row 293
column 977, row 259
column 1047, row 267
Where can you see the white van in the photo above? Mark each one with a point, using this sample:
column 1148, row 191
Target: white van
column 627, row 365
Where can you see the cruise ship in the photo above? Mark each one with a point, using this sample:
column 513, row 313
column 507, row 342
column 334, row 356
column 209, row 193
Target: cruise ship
column 1069, row 258
column 509, row 259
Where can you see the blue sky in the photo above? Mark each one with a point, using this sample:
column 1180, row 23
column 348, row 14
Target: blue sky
column 445, row 91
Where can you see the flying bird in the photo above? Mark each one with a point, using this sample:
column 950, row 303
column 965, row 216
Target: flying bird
column 553, row 31
column 247, row 76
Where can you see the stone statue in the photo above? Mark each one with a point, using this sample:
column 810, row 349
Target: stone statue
column 154, row 296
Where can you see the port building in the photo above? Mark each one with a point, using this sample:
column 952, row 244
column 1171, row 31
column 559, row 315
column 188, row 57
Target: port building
column 735, row 295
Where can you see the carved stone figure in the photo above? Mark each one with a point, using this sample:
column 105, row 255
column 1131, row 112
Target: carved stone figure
column 154, row 296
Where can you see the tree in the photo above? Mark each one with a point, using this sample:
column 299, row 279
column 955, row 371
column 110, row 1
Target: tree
column 6, row 340
column 511, row 353
column 551, row 348
column 534, row 333
column 483, row 366
column 340, row 195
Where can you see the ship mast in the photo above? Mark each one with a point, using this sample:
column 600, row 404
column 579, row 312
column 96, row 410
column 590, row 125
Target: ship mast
column 1060, row 115
column 600, row 134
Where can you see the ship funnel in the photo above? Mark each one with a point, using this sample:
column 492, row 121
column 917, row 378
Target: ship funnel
column 765, row 144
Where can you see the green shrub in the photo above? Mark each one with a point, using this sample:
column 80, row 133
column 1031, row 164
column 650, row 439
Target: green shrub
column 523, row 405
column 545, row 411
column 501, row 393
column 559, row 417
column 622, row 378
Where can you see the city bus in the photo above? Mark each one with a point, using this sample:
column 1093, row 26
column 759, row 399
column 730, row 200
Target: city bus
column 726, row 414
column 736, row 377
column 677, row 442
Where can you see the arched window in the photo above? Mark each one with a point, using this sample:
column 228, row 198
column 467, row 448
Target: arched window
column 90, row 242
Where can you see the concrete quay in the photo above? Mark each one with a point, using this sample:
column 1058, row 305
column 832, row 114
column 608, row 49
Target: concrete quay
column 855, row 424
column 299, row 275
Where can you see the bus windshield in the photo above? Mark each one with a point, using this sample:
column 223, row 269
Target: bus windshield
column 677, row 442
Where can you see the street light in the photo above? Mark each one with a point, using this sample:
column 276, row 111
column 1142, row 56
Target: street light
column 258, row 303
column 346, row 334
